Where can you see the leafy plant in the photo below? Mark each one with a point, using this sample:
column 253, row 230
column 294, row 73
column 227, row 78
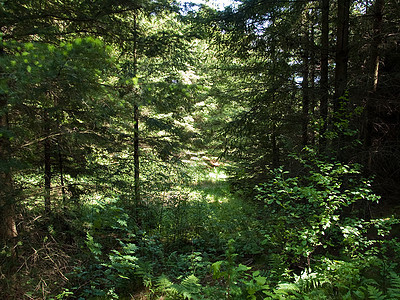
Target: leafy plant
column 309, row 213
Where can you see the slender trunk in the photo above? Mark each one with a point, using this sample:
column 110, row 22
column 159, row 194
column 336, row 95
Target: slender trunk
column 8, row 228
column 136, row 155
column 342, row 53
column 305, row 88
column 61, row 170
column 324, row 82
column 47, row 164
column 376, row 42
column 275, row 83
column 341, row 58
column 136, row 120
column 312, row 87
column 275, row 148
column 374, row 75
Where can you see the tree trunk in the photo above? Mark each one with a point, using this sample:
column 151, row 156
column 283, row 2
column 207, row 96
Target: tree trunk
column 324, row 82
column 376, row 42
column 342, row 52
column 47, row 164
column 61, row 170
column 8, row 228
column 305, row 88
column 312, row 86
column 275, row 148
column 136, row 126
column 374, row 75
column 341, row 59
column 136, row 155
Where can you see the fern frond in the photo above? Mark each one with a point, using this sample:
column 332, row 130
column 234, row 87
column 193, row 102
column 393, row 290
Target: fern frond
column 163, row 283
column 375, row 293
column 394, row 290
column 286, row 289
column 189, row 288
column 308, row 281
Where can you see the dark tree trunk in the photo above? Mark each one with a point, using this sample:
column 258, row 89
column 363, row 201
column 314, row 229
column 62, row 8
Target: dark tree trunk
column 324, row 82
column 47, row 164
column 8, row 228
column 136, row 155
column 61, row 170
column 275, row 148
column 376, row 43
column 312, row 86
column 305, row 88
column 342, row 52
column 374, row 75
column 340, row 98
column 136, row 126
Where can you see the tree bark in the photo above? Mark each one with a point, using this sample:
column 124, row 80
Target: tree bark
column 61, row 170
column 275, row 148
column 136, row 155
column 312, row 85
column 8, row 228
column 324, row 82
column 376, row 43
column 342, row 52
column 305, row 88
column 136, row 126
column 374, row 76
column 47, row 164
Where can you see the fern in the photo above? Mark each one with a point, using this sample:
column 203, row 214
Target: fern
column 394, row 290
column 375, row 293
column 189, row 288
column 308, row 280
column 163, row 283
column 288, row 289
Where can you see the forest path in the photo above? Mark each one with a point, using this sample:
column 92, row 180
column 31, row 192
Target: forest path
column 229, row 215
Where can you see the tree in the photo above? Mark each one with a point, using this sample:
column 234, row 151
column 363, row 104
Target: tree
column 41, row 79
column 57, row 84
column 7, row 215
column 324, row 81
column 7, row 203
column 342, row 52
column 261, row 40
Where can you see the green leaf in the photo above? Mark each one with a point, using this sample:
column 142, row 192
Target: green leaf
column 261, row 280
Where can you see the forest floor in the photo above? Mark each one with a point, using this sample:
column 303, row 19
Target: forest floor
column 94, row 248
column 49, row 249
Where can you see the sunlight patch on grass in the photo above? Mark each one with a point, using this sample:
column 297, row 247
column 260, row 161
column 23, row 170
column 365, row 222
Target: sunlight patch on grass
column 217, row 174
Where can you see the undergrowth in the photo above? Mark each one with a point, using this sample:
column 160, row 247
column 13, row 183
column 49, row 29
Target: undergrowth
column 304, row 236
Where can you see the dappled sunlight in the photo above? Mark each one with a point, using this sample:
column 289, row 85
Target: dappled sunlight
column 217, row 174
column 207, row 150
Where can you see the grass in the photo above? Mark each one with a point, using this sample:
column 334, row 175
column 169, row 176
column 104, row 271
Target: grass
column 188, row 216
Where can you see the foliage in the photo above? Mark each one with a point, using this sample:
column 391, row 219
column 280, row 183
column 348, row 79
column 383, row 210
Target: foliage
column 100, row 97
column 312, row 213
column 315, row 226
column 110, row 269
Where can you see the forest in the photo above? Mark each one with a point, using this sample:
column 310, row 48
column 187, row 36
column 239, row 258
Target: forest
column 156, row 149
